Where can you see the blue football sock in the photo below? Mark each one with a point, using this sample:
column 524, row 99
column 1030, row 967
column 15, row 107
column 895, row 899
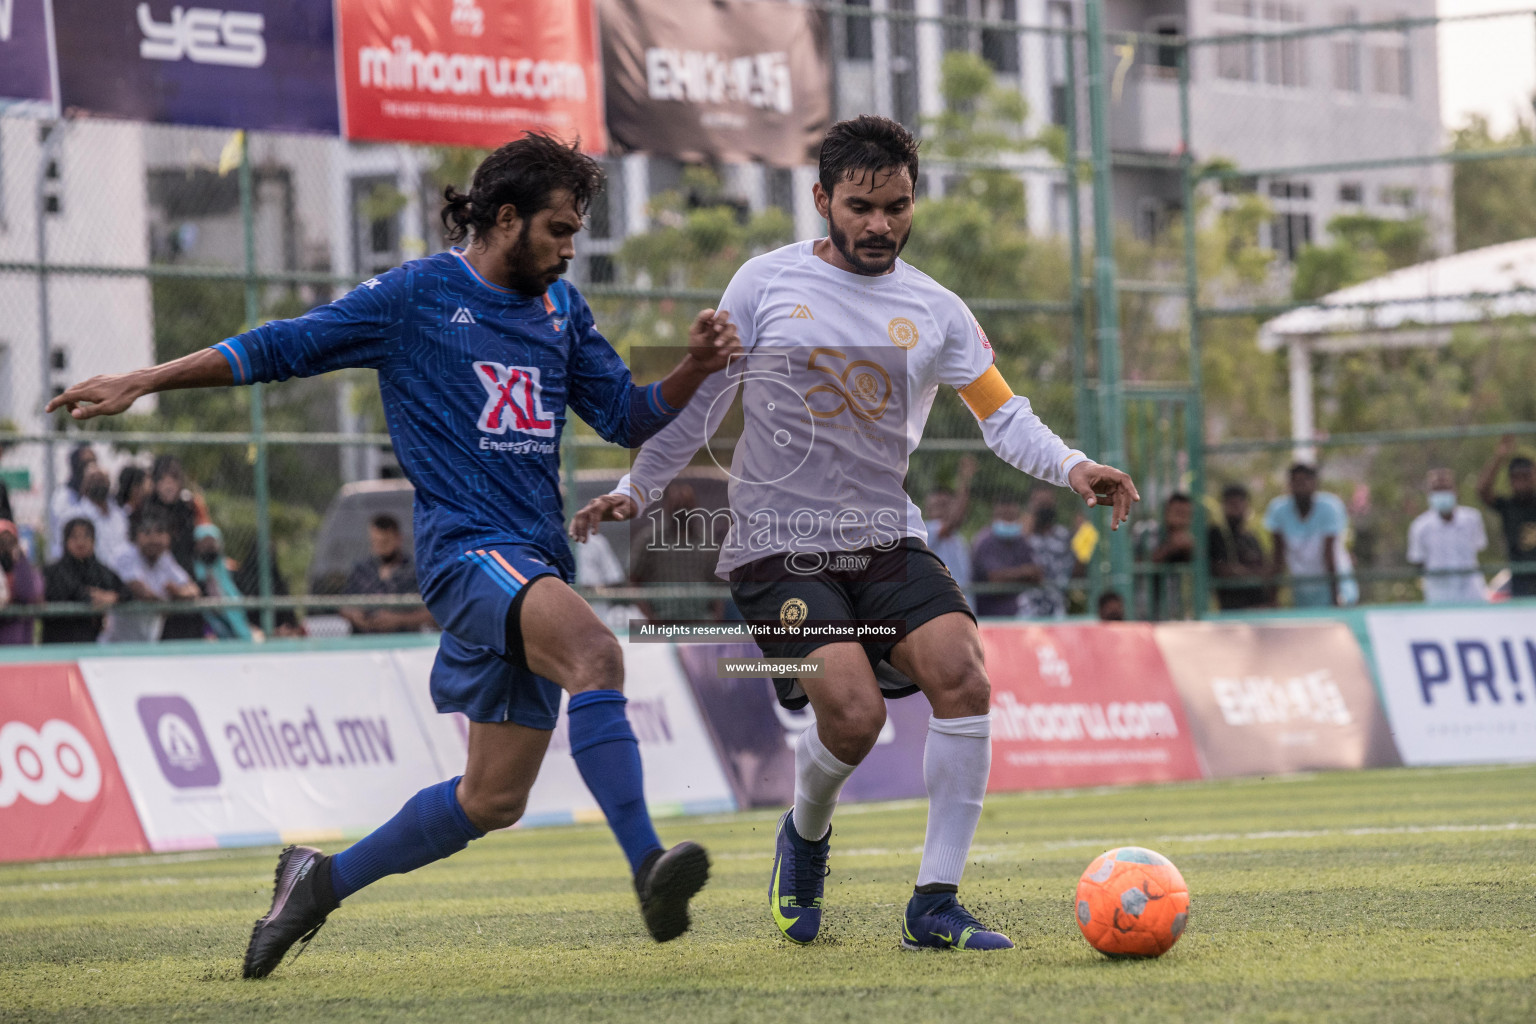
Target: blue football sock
column 608, row 755
column 429, row 827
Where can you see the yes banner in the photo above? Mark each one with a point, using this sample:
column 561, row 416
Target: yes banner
column 1460, row 686
column 1087, row 705
column 725, row 80
column 1277, row 698
column 470, row 72
column 26, row 52
column 230, row 750
column 257, row 64
column 61, row 793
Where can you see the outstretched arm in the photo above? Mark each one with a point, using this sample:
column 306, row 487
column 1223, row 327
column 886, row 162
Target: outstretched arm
column 111, row 393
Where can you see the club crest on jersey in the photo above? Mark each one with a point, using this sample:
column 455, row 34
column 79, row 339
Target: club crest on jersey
column 462, row 315
column 514, row 400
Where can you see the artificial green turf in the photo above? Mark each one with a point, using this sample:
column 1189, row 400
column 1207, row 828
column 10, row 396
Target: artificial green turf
column 1402, row 895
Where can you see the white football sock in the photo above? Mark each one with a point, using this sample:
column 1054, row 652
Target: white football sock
column 956, row 761
column 819, row 778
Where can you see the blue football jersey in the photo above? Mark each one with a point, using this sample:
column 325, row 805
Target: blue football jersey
column 475, row 381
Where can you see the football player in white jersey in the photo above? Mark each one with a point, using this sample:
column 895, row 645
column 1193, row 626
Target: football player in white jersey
column 844, row 348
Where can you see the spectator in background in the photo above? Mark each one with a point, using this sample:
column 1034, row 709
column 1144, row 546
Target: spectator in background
column 170, row 498
column 598, row 566
column 247, row 576
column 61, row 506
column 20, row 585
column 211, row 572
column 151, row 574
column 1001, row 554
column 132, row 488
column 5, row 491
column 1237, row 556
column 1308, row 527
column 1170, row 543
column 1516, row 512
column 944, row 516
column 1445, row 538
column 80, row 577
column 1111, row 607
column 172, row 501
column 95, row 503
column 1050, row 547
column 388, row 571
column 679, row 546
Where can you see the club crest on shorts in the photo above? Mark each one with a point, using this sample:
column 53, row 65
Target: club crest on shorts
column 903, row 332
column 792, row 613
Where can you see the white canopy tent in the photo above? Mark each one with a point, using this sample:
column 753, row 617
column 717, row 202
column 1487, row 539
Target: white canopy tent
column 1417, row 305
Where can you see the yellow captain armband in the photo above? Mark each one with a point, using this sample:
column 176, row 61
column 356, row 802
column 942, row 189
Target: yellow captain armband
column 986, row 394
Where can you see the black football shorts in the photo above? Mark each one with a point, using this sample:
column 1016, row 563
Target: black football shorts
column 906, row 584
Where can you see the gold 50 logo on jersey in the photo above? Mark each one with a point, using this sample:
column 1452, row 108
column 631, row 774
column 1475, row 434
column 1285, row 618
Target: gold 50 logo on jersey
column 863, row 387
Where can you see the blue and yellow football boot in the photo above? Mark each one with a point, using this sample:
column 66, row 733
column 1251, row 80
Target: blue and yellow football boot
column 799, row 876
column 938, row 921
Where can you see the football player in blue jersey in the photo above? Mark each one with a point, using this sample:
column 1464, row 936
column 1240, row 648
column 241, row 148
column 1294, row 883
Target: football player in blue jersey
column 479, row 351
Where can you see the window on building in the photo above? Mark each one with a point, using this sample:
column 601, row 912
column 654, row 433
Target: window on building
column 376, row 205
column 7, row 375
column 903, row 34
column 1236, row 62
column 1290, row 190
column 1346, row 52
column 1165, row 57
column 1000, row 46
column 1290, row 233
column 1351, row 192
column 957, row 37
column 858, row 34
column 1235, row 8
column 1389, row 68
column 1285, row 58
column 1058, row 15
column 1398, row 195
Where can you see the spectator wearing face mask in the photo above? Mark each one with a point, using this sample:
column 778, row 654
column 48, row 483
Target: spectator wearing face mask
column 1050, row 545
column 95, row 503
column 211, row 572
column 1444, row 542
column 1002, row 555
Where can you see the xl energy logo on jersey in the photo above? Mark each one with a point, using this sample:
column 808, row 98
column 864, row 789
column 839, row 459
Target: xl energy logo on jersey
column 204, row 35
column 514, row 400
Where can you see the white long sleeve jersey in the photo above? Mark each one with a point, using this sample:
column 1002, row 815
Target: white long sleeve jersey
column 837, row 377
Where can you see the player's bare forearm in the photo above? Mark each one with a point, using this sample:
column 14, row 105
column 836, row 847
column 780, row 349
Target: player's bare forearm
column 685, row 379
column 712, row 341
column 110, row 394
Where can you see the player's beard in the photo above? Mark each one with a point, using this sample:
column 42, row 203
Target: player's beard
column 525, row 272
column 889, row 249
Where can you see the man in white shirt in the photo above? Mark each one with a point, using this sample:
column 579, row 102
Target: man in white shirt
column 844, row 347
column 1444, row 539
column 151, row 574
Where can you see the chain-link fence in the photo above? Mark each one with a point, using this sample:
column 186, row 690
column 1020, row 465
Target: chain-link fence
column 1127, row 201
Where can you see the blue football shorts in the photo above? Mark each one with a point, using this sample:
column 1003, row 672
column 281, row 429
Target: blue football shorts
column 474, row 672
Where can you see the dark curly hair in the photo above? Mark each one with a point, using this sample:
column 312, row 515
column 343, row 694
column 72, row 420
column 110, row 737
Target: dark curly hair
column 866, row 143
column 525, row 172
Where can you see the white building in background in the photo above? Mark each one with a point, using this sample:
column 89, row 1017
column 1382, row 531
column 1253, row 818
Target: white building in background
column 125, row 195
column 87, row 179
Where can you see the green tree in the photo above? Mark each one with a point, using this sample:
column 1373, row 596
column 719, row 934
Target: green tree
column 1363, row 247
column 1495, row 199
